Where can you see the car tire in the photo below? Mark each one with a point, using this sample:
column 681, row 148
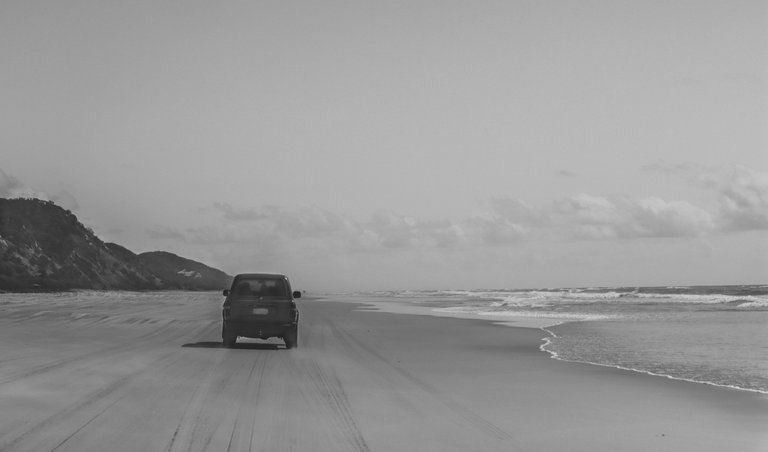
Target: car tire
column 227, row 337
column 292, row 337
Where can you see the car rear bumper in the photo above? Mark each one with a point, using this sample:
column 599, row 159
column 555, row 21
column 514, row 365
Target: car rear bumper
column 258, row 330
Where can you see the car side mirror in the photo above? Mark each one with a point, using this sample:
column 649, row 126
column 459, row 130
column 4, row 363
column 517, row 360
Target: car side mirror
column 225, row 292
column 297, row 294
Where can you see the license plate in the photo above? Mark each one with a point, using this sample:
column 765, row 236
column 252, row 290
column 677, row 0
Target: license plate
column 260, row 311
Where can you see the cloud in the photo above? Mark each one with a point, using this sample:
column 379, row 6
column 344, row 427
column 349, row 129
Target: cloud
column 654, row 217
column 743, row 199
column 571, row 232
column 272, row 232
column 308, row 222
column 597, row 217
column 232, row 214
column 383, row 231
column 673, row 168
column 393, row 231
column 587, row 216
column 311, row 222
column 164, row 232
column 11, row 187
column 517, row 211
column 448, row 236
column 66, row 200
column 497, row 230
column 741, row 193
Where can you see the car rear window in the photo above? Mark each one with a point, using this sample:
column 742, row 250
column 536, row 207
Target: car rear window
column 260, row 288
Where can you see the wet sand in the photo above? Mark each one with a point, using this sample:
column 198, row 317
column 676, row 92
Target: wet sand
column 153, row 376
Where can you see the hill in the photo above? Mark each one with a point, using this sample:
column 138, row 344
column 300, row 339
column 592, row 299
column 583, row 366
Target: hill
column 44, row 247
column 177, row 272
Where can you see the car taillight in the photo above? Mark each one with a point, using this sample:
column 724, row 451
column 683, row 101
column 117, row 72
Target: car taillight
column 226, row 312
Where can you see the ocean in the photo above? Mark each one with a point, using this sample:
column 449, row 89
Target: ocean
column 714, row 335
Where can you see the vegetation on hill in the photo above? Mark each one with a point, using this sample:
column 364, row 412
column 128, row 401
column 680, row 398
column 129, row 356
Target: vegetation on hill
column 44, row 247
column 177, row 272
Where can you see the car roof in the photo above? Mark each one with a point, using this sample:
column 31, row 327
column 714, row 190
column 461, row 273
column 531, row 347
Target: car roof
column 261, row 276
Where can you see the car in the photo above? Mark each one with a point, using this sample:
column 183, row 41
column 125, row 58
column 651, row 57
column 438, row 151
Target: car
column 260, row 306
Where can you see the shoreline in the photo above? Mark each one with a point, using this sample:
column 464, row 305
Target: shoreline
column 542, row 323
column 555, row 356
column 394, row 306
column 607, row 405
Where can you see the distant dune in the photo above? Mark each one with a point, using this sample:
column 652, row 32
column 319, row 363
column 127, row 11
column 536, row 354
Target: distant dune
column 44, row 247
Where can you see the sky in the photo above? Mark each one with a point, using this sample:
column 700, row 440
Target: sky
column 394, row 145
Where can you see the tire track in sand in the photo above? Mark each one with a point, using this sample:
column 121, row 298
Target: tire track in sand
column 106, row 351
column 99, row 401
column 202, row 417
column 480, row 423
column 330, row 391
column 247, row 408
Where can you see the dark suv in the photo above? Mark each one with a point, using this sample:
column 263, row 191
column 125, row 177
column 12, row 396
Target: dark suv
column 260, row 305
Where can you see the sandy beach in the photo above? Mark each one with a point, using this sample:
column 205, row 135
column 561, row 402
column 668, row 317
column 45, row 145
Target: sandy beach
column 150, row 375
